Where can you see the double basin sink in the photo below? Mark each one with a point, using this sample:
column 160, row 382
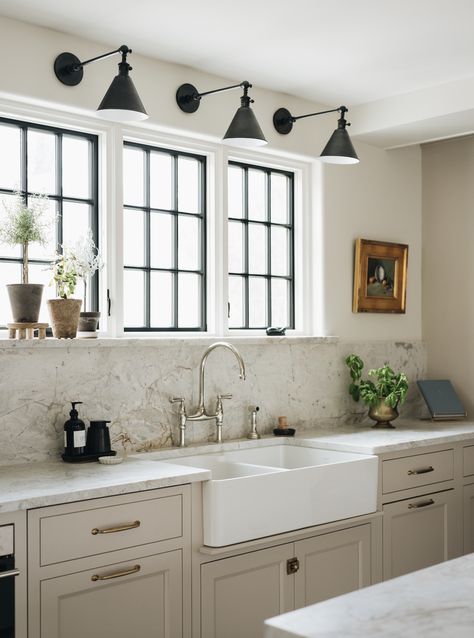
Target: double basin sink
column 273, row 489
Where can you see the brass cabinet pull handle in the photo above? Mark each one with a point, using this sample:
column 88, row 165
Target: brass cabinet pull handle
column 112, row 530
column 9, row 573
column 423, row 470
column 412, row 506
column 127, row 572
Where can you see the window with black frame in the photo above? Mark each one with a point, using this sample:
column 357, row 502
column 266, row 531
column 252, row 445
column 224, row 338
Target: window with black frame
column 164, row 247
column 59, row 163
column 260, row 247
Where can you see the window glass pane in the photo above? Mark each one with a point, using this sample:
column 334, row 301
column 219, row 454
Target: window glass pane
column 162, row 243
column 133, row 238
column 236, row 247
column 257, row 195
column 134, row 298
column 161, row 180
column 188, row 185
column 76, row 221
column 280, row 312
column 280, row 250
column 10, row 157
column 9, row 274
column 76, row 167
column 161, row 302
column 41, row 274
column 236, row 300
column 133, row 176
column 42, row 162
column 279, row 191
column 257, row 249
column 5, row 249
column 48, row 251
column 189, row 300
column 188, row 243
column 235, row 186
column 257, row 302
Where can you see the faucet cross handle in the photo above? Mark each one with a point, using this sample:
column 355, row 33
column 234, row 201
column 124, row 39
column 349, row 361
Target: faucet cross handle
column 177, row 400
column 224, row 396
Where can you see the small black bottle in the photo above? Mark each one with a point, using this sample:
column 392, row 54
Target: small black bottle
column 74, row 434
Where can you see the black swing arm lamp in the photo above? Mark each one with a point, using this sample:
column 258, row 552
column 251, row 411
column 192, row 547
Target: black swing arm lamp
column 244, row 130
column 121, row 102
column 338, row 150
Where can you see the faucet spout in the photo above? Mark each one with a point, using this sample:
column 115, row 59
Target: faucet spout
column 202, row 369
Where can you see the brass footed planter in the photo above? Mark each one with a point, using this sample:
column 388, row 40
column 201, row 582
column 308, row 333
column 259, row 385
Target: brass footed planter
column 383, row 414
column 64, row 315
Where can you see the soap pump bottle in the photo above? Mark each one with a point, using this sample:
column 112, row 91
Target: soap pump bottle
column 74, row 434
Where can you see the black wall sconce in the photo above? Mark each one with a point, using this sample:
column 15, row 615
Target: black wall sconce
column 338, row 150
column 244, row 130
column 121, row 103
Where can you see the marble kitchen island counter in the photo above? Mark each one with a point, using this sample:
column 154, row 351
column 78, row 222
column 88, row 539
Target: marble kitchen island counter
column 435, row 602
column 40, row 484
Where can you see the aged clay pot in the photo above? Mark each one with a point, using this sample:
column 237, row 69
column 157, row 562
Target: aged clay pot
column 382, row 414
column 25, row 301
column 88, row 322
column 64, row 315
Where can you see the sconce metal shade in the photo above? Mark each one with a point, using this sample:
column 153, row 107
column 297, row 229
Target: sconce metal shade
column 339, row 149
column 122, row 103
column 244, row 130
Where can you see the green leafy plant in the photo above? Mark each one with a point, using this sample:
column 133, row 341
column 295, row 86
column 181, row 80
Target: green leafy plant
column 24, row 224
column 65, row 274
column 387, row 385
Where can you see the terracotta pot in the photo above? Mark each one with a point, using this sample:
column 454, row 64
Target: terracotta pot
column 64, row 315
column 88, row 322
column 25, row 301
column 382, row 414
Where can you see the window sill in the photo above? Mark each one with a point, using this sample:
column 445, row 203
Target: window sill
column 123, row 342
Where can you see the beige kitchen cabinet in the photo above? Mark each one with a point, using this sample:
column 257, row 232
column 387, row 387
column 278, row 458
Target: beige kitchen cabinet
column 419, row 532
column 332, row 564
column 113, row 567
column 239, row 593
column 141, row 598
column 468, row 519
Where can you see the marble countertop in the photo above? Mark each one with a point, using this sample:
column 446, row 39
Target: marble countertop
column 40, row 484
column 435, row 602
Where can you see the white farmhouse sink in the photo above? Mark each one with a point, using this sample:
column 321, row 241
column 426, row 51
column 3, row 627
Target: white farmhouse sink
column 269, row 490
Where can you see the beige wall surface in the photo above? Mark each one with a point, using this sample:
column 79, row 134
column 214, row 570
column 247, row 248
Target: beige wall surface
column 377, row 199
column 448, row 263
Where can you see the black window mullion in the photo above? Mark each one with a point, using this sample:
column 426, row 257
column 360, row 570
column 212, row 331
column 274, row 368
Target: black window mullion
column 147, row 227
column 176, row 242
column 59, row 191
column 246, row 249
column 269, row 249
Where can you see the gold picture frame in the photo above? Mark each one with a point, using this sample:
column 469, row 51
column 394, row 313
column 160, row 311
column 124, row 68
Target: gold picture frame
column 380, row 276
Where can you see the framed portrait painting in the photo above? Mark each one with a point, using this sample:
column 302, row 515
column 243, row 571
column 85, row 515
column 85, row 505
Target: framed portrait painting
column 380, row 276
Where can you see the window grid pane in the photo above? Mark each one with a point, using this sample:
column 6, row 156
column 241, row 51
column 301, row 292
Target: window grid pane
column 173, row 252
column 261, row 284
column 37, row 154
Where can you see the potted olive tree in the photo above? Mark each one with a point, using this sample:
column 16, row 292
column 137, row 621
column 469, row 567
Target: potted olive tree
column 87, row 263
column 64, row 311
column 383, row 394
column 24, row 225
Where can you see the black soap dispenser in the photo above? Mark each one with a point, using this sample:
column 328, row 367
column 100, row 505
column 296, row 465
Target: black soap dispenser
column 74, row 436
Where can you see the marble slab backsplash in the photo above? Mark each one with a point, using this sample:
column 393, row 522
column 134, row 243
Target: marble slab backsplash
column 129, row 382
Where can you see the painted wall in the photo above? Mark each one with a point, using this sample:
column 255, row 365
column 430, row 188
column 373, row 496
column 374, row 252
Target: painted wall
column 448, row 263
column 378, row 199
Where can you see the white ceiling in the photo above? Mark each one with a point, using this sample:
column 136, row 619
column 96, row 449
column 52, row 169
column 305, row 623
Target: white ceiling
column 330, row 51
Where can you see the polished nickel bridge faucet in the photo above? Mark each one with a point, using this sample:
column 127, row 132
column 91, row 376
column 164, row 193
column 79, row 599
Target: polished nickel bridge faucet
column 201, row 413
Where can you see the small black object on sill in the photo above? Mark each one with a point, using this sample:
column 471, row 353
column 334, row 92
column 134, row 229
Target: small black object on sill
column 276, row 332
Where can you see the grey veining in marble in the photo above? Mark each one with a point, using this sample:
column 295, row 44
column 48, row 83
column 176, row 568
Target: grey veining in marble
column 130, row 383
column 41, row 484
column 436, row 602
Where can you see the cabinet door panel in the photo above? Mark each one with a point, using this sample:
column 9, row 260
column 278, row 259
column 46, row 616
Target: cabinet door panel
column 145, row 604
column 332, row 564
column 468, row 519
column 419, row 532
column 239, row 593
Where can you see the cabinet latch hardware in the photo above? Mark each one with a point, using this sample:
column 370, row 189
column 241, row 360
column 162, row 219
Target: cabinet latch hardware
column 415, row 506
column 423, row 470
column 112, row 530
column 127, row 572
column 292, row 566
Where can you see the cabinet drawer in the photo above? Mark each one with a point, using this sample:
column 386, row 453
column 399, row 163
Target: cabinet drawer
column 468, row 460
column 97, row 530
column 418, row 470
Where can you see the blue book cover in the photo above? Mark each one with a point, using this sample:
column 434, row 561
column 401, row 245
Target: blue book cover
column 441, row 399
